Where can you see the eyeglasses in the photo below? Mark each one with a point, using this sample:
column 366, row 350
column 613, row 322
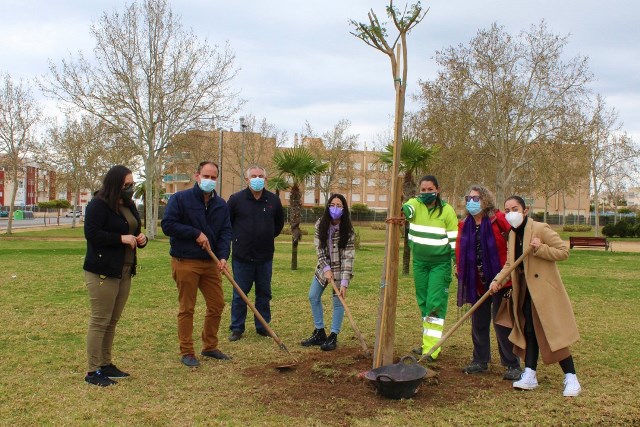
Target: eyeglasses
column 474, row 198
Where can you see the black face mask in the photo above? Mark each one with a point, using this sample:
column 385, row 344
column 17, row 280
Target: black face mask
column 126, row 194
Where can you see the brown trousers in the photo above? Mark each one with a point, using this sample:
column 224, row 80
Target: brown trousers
column 191, row 275
column 108, row 297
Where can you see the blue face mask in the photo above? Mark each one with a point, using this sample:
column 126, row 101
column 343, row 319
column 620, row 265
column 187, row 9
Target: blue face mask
column 474, row 208
column 256, row 184
column 207, row 185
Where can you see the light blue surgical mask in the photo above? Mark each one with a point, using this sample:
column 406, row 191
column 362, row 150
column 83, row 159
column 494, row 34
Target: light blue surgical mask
column 256, row 184
column 207, row 185
column 474, row 207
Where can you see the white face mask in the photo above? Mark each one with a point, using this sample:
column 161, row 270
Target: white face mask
column 515, row 219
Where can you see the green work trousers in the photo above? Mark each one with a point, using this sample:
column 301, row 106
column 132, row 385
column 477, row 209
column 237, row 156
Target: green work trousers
column 432, row 280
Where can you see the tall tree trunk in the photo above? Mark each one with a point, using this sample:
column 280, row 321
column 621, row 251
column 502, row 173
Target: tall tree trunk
column 12, row 202
column 406, row 252
column 408, row 191
column 296, row 206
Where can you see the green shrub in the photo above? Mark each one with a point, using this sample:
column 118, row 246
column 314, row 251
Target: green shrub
column 538, row 216
column 609, row 230
column 378, row 226
column 359, row 208
column 356, row 241
column 624, row 229
column 575, row 227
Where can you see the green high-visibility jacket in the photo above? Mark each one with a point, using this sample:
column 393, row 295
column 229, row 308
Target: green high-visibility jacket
column 432, row 237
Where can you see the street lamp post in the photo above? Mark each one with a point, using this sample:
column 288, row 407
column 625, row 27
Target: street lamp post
column 220, row 161
column 579, row 190
column 243, row 127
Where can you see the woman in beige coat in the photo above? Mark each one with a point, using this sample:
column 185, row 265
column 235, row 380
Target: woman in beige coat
column 543, row 320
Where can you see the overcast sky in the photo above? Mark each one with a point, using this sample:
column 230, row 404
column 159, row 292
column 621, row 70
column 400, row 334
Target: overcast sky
column 299, row 63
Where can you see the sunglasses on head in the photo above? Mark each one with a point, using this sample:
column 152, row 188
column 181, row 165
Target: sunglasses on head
column 474, row 198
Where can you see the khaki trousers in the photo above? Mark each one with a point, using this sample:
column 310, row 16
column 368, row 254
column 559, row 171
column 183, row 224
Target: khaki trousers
column 107, row 297
column 191, row 275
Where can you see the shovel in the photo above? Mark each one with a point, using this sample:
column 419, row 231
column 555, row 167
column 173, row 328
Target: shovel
column 365, row 349
column 473, row 308
column 257, row 314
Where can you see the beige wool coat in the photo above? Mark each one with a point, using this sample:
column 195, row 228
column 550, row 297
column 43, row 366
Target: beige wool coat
column 552, row 309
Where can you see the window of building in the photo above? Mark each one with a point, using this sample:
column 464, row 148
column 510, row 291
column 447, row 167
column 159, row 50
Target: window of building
column 371, row 183
column 371, row 197
column 342, row 181
column 356, row 181
column 355, row 197
column 382, row 198
column 287, row 195
column 357, row 166
column 371, row 166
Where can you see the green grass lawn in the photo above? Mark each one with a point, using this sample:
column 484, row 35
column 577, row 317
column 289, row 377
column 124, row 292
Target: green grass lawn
column 45, row 312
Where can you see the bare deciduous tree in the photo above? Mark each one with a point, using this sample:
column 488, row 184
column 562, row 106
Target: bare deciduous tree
column 613, row 155
column 506, row 94
column 20, row 114
column 334, row 149
column 375, row 35
column 150, row 80
column 82, row 150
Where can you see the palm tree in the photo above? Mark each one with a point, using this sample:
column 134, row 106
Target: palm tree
column 277, row 184
column 414, row 158
column 296, row 164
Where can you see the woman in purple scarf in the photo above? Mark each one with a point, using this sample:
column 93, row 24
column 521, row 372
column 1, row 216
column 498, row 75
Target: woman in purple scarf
column 481, row 251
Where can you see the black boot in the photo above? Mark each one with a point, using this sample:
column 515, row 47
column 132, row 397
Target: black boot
column 331, row 343
column 318, row 337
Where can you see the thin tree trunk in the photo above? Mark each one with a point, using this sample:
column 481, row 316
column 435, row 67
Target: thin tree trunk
column 295, row 204
column 406, row 253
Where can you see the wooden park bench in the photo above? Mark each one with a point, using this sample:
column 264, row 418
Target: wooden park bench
column 589, row 242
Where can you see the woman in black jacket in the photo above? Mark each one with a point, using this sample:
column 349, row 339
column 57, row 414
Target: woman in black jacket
column 112, row 230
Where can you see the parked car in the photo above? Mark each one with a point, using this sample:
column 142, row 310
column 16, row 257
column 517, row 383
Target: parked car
column 71, row 214
column 4, row 214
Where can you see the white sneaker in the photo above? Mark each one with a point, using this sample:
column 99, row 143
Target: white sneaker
column 571, row 386
column 528, row 381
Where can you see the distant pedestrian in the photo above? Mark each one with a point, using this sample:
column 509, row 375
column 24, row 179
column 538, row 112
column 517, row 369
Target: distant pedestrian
column 335, row 247
column 257, row 219
column 197, row 220
column 112, row 230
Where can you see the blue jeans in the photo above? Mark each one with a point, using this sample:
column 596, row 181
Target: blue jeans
column 315, row 293
column 246, row 274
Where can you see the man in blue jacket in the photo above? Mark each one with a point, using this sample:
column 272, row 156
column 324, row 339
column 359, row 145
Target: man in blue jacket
column 196, row 220
column 257, row 219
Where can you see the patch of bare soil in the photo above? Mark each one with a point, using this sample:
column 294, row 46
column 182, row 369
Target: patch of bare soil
column 330, row 383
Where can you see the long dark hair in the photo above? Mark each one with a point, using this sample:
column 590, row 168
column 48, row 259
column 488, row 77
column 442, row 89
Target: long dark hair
column 346, row 228
column 433, row 179
column 112, row 185
column 518, row 200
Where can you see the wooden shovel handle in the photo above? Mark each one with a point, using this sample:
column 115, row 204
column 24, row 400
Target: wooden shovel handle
column 475, row 306
column 353, row 324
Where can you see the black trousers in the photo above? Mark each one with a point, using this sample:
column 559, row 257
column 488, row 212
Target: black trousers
column 481, row 334
column 532, row 350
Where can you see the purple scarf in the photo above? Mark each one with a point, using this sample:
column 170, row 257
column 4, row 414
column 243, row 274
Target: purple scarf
column 467, row 265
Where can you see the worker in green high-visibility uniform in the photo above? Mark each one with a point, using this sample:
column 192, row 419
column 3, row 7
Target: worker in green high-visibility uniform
column 433, row 228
